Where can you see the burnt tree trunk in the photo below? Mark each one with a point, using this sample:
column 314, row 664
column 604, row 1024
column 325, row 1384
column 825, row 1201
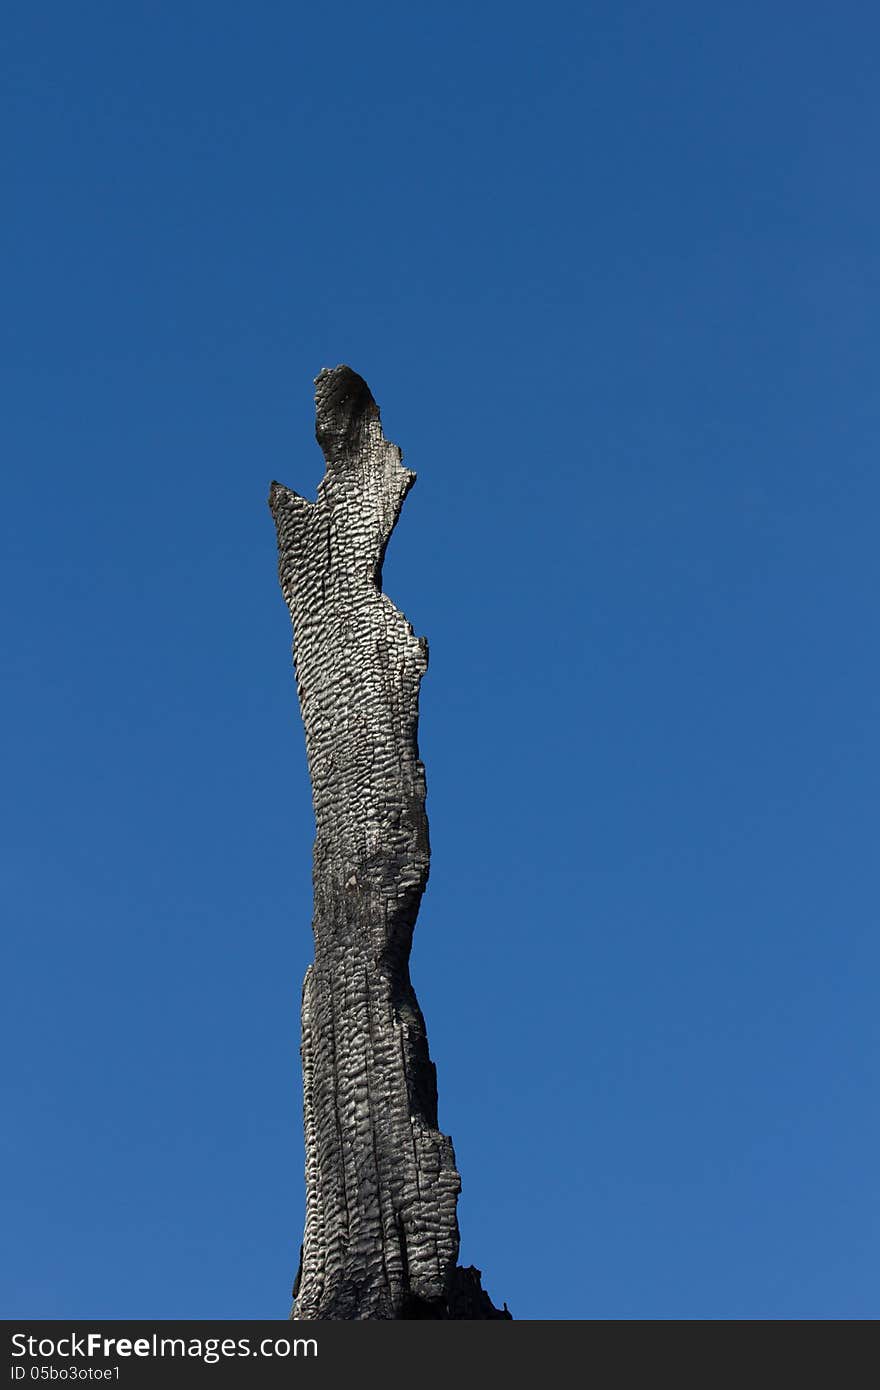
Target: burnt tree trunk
column 381, row 1232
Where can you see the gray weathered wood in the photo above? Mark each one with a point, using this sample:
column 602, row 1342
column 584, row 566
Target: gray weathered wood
column 381, row 1233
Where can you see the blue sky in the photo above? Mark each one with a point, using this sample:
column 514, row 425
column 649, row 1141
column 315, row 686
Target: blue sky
column 611, row 272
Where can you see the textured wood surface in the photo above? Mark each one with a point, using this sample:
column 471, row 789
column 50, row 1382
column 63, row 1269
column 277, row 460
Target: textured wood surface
column 381, row 1232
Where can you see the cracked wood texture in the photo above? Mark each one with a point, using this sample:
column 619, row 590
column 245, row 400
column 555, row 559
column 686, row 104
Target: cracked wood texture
column 381, row 1232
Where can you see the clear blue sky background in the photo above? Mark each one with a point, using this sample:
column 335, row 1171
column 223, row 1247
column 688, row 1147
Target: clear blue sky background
column 611, row 271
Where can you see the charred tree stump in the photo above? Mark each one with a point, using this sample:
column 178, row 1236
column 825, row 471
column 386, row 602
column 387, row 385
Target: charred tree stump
column 381, row 1232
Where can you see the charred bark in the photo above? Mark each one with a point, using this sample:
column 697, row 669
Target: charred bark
column 381, row 1232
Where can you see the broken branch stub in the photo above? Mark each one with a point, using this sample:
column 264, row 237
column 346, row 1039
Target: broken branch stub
column 381, row 1233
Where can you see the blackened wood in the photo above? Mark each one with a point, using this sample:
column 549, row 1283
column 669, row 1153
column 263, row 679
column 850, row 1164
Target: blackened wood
column 381, row 1233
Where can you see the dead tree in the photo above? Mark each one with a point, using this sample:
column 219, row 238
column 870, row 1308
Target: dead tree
column 381, row 1230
